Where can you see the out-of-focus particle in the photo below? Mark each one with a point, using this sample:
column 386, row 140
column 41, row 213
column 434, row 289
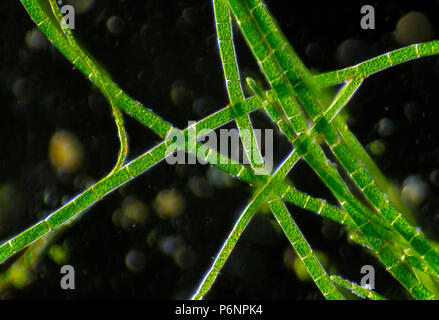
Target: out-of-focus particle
column 135, row 260
column 133, row 212
column 414, row 27
column 219, row 178
column 351, row 52
column 200, row 187
column 59, row 254
column 434, row 177
column 184, row 257
column 170, row 244
column 65, row 152
column 385, row 127
column 377, row 147
column 169, row 204
column 115, row 24
column 35, row 40
column 288, row 258
column 81, row 6
column 180, row 94
column 414, row 190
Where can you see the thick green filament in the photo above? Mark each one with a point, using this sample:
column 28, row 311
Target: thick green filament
column 233, row 81
column 379, row 63
column 259, row 199
column 304, row 251
column 356, row 289
column 281, row 67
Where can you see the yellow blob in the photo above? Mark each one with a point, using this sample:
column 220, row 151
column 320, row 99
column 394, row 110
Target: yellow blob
column 377, row 147
column 65, row 152
column 169, row 204
column 21, row 279
column 59, row 254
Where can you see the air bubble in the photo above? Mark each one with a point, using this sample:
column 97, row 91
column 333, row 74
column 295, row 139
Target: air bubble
column 169, row 245
column 35, row 40
column 135, row 260
column 414, row 190
column 115, row 24
column 414, row 27
column 385, row 127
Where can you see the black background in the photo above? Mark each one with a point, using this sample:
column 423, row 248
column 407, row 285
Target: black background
column 163, row 43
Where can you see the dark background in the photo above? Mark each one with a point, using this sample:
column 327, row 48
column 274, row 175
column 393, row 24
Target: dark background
column 169, row 43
